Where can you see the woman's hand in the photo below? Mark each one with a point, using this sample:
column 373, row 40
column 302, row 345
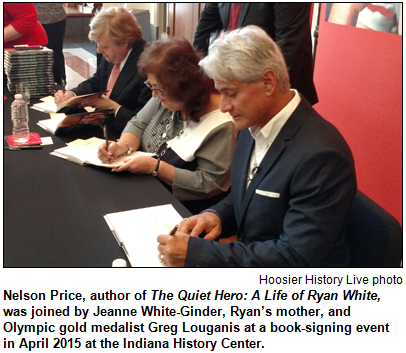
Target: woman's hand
column 137, row 165
column 115, row 150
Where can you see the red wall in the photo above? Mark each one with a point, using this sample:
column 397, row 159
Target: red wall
column 358, row 76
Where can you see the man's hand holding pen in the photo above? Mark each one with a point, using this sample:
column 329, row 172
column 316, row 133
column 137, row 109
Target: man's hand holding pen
column 173, row 247
column 61, row 96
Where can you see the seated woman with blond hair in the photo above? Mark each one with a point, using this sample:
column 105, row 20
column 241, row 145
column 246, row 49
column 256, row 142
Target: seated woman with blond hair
column 182, row 124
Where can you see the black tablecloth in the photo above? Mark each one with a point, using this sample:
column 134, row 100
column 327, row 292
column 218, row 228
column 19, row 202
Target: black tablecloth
column 53, row 208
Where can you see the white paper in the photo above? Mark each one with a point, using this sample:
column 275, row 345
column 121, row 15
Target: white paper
column 137, row 232
column 47, row 140
column 51, row 124
column 88, row 154
column 46, row 107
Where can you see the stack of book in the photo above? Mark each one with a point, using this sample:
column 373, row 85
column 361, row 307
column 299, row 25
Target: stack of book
column 33, row 67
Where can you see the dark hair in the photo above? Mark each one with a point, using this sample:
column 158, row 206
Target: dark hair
column 176, row 66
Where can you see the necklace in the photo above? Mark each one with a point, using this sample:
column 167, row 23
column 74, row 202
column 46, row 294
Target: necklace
column 164, row 137
column 255, row 167
column 163, row 127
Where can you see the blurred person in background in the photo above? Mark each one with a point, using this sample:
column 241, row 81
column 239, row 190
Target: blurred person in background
column 52, row 16
column 288, row 24
column 21, row 26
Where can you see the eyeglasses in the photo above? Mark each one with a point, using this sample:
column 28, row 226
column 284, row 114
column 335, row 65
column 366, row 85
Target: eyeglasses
column 158, row 91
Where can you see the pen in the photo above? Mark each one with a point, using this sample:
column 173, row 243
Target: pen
column 106, row 137
column 58, row 87
column 173, row 231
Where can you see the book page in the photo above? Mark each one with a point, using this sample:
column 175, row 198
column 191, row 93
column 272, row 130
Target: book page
column 61, row 120
column 78, row 99
column 138, row 230
column 47, row 106
column 86, row 153
column 51, row 124
column 48, row 99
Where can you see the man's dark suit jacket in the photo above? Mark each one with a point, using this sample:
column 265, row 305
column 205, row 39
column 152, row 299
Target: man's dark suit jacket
column 294, row 210
column 288, row 24
column 129, row 90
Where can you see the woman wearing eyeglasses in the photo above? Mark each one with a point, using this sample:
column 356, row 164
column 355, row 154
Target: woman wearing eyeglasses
column 182, row 124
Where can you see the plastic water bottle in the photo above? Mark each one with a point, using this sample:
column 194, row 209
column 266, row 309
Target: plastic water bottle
column 19, row 116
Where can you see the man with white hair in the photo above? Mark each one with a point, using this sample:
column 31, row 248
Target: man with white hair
column 292, row 174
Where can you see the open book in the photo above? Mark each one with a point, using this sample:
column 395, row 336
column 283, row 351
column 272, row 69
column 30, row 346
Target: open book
column 49, row 106
column 57, row 124
column 136, row 231
column 85, row 152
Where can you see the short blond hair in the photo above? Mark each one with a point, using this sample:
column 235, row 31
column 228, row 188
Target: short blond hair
column 118, row 24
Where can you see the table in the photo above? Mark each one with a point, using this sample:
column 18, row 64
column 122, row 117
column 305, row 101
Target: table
column 53, row 208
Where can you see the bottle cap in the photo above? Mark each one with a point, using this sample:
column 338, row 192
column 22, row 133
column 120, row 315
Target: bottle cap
column 119, row 263
column 18, row 96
